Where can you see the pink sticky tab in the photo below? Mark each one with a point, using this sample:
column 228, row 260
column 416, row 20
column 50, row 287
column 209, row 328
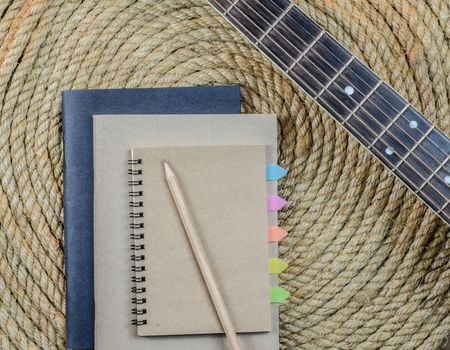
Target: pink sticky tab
column 275, row 203
column 275, row 234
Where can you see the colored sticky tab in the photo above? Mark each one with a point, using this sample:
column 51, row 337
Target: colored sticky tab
column 278, row 294
column 275, row 203
column 274, row 172
column 277, row 265
column 275, row 234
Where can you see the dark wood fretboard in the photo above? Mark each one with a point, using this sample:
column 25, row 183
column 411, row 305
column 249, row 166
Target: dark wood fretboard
column 369, row 109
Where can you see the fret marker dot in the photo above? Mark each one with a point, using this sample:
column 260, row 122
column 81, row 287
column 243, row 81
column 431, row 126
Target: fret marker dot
column 389, row 151
column 447, row 179
column 349, row 90
column 413, row 124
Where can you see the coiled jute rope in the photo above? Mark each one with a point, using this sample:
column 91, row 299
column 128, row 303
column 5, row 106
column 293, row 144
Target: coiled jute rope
column 369, row 263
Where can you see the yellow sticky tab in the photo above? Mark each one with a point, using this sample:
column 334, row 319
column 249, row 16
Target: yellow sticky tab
column 277, row 265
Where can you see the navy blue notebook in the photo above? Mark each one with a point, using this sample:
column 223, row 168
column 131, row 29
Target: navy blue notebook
column 78, row 106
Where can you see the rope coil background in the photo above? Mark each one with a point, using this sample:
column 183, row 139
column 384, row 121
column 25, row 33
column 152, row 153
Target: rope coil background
column 369, row 264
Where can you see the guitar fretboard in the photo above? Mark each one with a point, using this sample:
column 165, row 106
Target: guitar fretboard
column 369, row 109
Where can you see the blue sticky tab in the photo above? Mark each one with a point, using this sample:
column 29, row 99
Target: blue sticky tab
column 274, row 172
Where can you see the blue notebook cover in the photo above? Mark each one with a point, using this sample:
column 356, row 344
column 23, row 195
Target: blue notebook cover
column 78, row 106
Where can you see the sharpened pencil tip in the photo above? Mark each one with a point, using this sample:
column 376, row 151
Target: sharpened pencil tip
column 167, row 168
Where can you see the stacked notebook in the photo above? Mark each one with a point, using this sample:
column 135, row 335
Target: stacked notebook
column 147, row 286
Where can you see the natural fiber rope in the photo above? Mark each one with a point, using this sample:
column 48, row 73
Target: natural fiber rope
column 369, row 264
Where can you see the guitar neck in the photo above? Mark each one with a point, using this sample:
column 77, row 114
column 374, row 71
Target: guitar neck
column 377, row 116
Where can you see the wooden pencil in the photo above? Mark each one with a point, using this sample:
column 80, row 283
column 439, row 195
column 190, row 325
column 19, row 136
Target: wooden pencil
column 202, row 261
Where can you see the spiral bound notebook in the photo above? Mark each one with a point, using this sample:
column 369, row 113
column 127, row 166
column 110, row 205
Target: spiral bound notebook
column 226, row 190
column 114, row 137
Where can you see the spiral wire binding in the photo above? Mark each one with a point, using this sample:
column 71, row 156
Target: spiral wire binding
column 135, row 214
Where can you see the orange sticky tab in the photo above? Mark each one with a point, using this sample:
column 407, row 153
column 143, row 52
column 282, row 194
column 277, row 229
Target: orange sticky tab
column 275, row 234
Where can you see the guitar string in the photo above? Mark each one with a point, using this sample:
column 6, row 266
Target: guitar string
column 326, row 48
column 288, row 14
column 438, row 207
column 404, row 159
column 426, row 181
column 336, row 75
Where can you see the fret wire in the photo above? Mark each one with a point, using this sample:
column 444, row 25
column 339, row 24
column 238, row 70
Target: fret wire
column 386, row 130
column 423, row 194
column 443, row 207
column 311, row 46
column 400, row 172
column 396, row 117
column 394, row 169
column 410, row 151
column 272, row 26
column 339, row 72
column 233, row 4
column 332, row 53
column 434, row 173
column 303, row 54
column 355, row 131
column 359, row 105
column 296, row 61
column 324, row 46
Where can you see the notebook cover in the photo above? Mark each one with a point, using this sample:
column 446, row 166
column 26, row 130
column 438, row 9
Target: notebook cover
column 114, row 137
column 225, row 187
column 78, row 106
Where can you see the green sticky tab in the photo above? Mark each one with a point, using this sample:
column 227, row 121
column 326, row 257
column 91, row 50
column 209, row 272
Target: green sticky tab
column 278, row 294
column 277, row 265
